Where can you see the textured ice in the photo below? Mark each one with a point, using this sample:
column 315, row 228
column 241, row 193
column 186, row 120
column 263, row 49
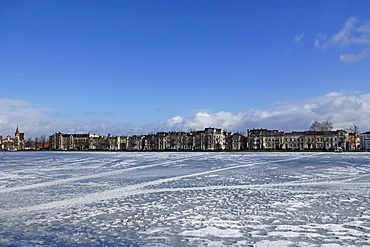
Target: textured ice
column 184, row 199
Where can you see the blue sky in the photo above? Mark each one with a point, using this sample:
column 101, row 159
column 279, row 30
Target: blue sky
column 127, row 67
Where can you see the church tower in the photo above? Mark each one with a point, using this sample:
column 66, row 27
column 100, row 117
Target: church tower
column 17, row 132
column 19, row 140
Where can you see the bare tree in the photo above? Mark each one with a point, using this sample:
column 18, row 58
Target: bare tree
column 29, row 143
column 321, row 126
column 42, row 142
column 354, row 129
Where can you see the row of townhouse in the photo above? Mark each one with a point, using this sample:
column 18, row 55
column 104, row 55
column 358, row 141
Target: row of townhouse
column 209, row 139
column 263, row 139
column 213, row 139
column 83, row 142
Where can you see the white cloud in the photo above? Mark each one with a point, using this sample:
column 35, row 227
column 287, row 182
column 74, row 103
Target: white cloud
column 295, row 41
column 222, row 119
column 351, row 57
column 175, row 121
column 14, row 112
column 297, row 38
column 345, row 35
column 37, row 120
column 340, row 108
column 354, row 33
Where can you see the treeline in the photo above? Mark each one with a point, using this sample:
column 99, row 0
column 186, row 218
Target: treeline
column 37, row 143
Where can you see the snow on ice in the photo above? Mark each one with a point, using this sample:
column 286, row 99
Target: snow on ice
column 184, row 199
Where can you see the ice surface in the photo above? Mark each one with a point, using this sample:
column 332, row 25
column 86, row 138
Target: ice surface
column 184, row 199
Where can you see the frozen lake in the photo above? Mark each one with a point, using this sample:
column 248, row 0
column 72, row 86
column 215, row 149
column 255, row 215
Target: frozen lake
column 184, row 199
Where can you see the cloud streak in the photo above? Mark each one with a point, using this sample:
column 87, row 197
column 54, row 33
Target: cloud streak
column 340, row 108
column 354, row 33
column 352, row 57
column 297, row 39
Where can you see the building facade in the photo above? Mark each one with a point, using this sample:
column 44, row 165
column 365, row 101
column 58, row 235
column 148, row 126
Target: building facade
column 16, row 143
column 366, row 140
column 209, row 139
column 75, row 142
column 272, row 140
column 255, row 140
column 293, row 141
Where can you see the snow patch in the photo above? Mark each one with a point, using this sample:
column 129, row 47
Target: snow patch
column 211, row 231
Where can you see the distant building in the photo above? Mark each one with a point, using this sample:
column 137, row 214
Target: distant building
column 293, row 141
column 19, row 140
column 335, row 139
column 135, row 143
column 354, row 142
column 314, row 140
column 235, row 142
column 255, row 139
column 200, row 140
column 325, row 140
column 214, row 139
column 161, row 141
column 75, row 142
column 209, row 139
column 272, row 140
column 8, row 143
column 13, row 144
column 366, row 140
column 264, row 139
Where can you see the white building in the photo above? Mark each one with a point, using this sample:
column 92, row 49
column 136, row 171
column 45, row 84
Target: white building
column 366, row 140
